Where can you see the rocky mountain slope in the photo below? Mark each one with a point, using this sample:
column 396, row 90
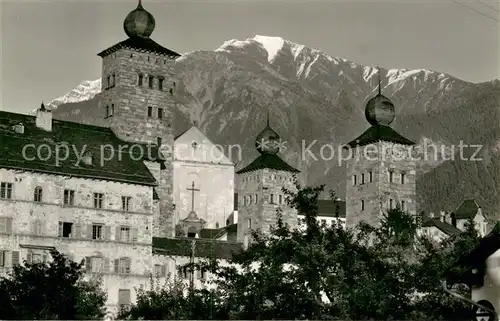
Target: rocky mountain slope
column 314, row 97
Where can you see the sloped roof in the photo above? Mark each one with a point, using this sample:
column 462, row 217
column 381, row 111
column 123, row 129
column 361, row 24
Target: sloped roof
column 378, row 133
column 270, row 161
column 140, row 43
column 331, row 208
column 205, row 248
column 445, row 227
column 468, row 209
column 79, row 137
column 211, row 233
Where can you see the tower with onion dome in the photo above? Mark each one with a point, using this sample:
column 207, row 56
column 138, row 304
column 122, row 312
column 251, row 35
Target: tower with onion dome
column 136, row 100
column 381, row 171
column 260, row 184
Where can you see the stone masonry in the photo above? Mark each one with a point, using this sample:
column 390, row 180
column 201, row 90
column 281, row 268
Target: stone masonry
column 376, row 190
column 142, row 114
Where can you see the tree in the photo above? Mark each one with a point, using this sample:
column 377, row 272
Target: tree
column 50, row 291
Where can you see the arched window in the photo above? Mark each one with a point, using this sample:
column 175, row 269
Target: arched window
column 38, row 194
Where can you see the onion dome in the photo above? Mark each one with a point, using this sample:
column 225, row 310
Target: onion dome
column 139, row 23
column 268, row 141
column 380, row 110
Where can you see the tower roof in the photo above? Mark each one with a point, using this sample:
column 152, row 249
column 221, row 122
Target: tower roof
column 271, row 161
column 268, row 140
column 380, row 110
column 139, row 23
column 378, row 133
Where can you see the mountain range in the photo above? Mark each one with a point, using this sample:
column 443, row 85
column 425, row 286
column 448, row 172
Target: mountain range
column 311, row 96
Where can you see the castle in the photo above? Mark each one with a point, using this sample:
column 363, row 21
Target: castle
column 131, row 199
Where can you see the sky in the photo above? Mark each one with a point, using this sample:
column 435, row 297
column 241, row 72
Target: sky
column 49, row 47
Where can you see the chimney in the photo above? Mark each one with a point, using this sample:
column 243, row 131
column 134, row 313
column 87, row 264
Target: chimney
column 44, row 118
column 442, row 215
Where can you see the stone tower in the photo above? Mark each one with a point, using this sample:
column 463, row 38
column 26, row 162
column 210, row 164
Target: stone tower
column 137, row 99
column 381, row 171
column 259, row 188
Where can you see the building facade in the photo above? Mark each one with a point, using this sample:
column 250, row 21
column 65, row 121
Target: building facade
column 381, row 168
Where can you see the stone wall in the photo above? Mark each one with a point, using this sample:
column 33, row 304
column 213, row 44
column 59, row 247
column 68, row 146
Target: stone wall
column 35, row 225
column 379, row 158
column 262, row 190
column 131, row 121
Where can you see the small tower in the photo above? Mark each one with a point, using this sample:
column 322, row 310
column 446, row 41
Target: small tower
column 137, row 99
column 259, row 188
column 381, row 173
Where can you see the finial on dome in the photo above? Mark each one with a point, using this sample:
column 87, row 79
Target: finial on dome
column 380, row 110
column 139, row 22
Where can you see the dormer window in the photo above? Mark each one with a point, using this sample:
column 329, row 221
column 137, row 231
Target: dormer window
column 87, row 159
column 19, row 128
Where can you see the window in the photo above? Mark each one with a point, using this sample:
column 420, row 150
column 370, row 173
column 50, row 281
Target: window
column 113, row 80
column 98, row 200
column 272, row 199
column 362, row 178
column 323, row 222
column 122, row 266
column 37, row 227
column 391, row 204
column 256, row 198
column 65, row 229
column 38, row 194
column 97, row 232
column 112, row 110
column 108, row 82
column 126, row 203
column 96, row 264
column 150, row 111
column 6, row 225
column 141, row 77
column 280, row 199
column 158, row 141
column 150, row 82
column 362, row 205
column 391, row 174
column 124, row 234
column 2, row 257
column 15, row 258
column 160, row 113
column 370, row 174
column 107, row 111
column 123, row 297
column 200, row 274
column 160, row 270
column 6, row 190
column 160, row 83
column 403, row 205
column 249, row 223
column 69, row 197
column 354, row 180
column 402, row 178
column 249, row 199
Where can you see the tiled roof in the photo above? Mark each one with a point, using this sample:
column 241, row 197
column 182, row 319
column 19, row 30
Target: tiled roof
column 331, row 208
column 140, row 43
column 270, row 161
column 378, row 133
column 210, row 233
column 445, row 227
column 77, row 137
column 203, row 247
column 468, row 209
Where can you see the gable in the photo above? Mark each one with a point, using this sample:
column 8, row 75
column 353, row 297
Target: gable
column 193, row 145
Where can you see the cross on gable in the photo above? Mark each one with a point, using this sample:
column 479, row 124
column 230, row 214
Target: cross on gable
column 192, row 189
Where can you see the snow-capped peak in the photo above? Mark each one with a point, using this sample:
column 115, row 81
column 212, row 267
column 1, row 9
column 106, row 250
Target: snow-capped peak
column 272, row 45
column 84, row 91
